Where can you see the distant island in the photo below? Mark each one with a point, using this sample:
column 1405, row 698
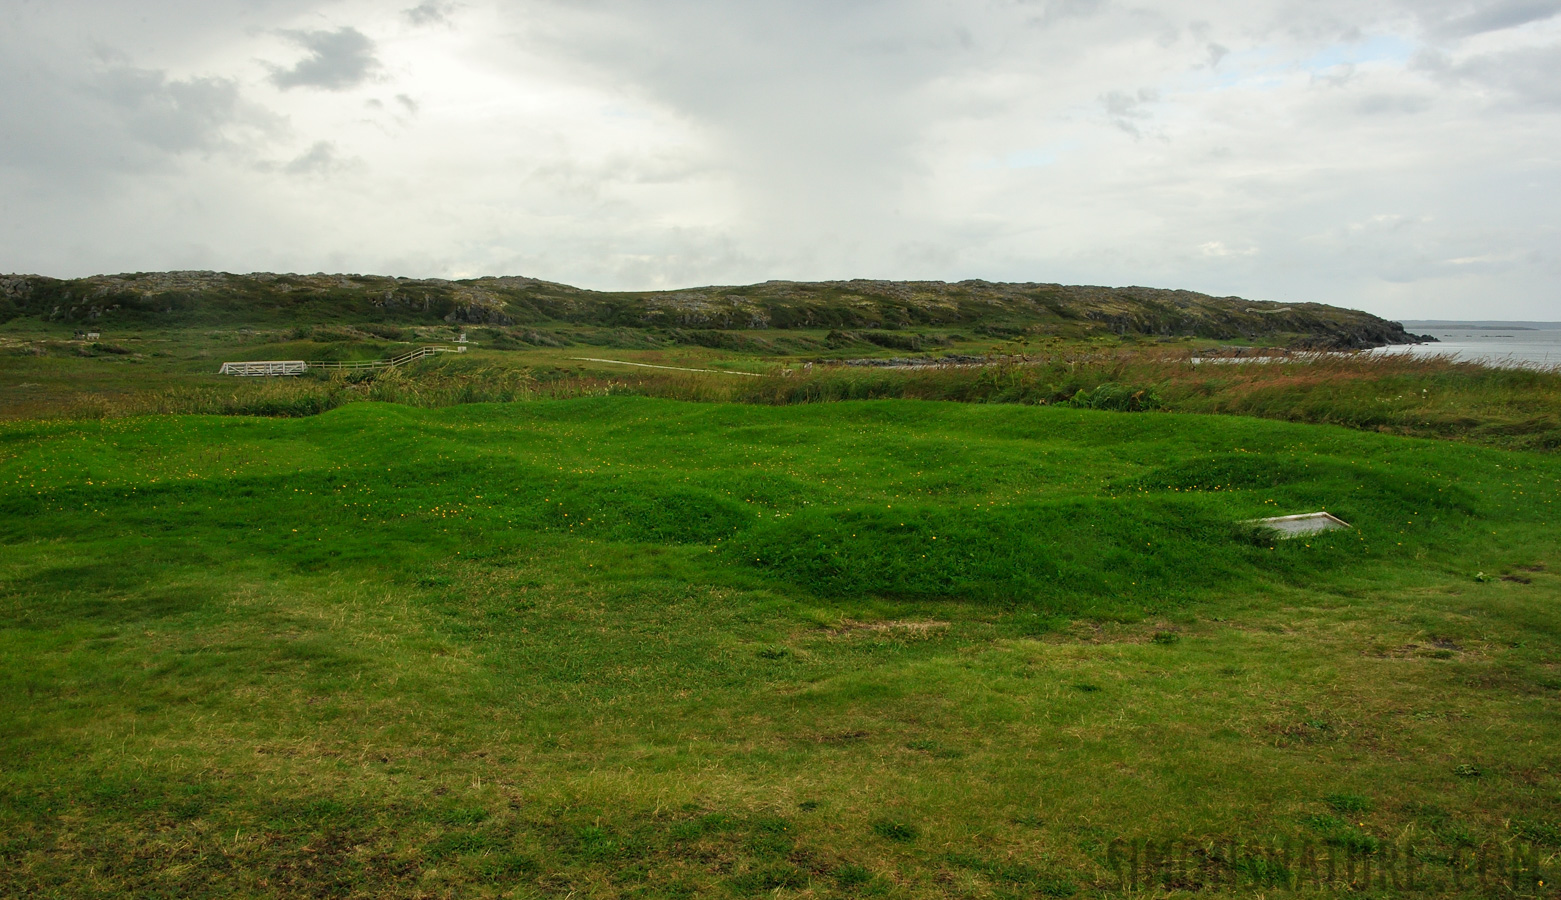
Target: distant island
column 1078, row 311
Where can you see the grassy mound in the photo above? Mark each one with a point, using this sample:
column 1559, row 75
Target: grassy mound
column 1068, row 512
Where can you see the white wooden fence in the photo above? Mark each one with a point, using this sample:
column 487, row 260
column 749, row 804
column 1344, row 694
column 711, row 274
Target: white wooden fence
column 299, row 367
column 267, row 367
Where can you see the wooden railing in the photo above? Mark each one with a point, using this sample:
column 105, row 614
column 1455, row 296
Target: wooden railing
column 299, row 367
column 266, row 367
column 403, row 359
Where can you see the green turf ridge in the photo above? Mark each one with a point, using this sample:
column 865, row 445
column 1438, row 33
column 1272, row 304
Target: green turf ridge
column 624, row 646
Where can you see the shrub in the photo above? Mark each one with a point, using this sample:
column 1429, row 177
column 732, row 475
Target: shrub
column 1117, row 397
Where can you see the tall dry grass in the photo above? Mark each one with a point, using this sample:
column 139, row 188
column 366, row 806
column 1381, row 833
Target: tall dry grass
column 1426, row 396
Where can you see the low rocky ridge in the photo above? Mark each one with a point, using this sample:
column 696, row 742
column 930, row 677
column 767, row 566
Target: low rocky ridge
column 201, row 298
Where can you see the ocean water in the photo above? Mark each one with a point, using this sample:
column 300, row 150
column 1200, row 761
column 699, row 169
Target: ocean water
column 1514, row 344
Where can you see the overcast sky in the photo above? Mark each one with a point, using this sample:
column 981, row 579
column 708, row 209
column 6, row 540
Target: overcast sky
column 1401, row 156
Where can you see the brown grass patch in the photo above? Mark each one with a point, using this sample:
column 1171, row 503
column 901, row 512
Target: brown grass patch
column 892, row 626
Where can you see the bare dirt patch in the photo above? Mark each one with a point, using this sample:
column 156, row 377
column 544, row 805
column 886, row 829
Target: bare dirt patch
column 892, row 626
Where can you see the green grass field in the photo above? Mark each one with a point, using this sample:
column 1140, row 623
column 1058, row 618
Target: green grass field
column 634, row 647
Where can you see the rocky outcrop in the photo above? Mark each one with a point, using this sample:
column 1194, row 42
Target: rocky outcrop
column 478, row 308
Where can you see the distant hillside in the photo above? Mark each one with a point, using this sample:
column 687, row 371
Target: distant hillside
column 213, row 298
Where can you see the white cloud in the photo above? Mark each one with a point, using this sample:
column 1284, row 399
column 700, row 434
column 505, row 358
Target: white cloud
column 1220, row 248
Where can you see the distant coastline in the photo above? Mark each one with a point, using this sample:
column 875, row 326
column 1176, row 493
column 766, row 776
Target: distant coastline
column 1485, row 325
column 1494, row 343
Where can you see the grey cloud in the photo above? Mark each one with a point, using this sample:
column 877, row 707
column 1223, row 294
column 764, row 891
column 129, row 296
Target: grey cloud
column 1126, row 110
column 170, row 115
column 320, row 159
column 404, row 109
column 429, row 12
column 596, row 181
column 806, row 58
column 808, row 102
column 337, row 60
column 1498, row 16
column 1393, row 104
column 1434, row 62
column 1529, row 75
column 1054, row 11
column 119, row 118
column 1532, row 73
